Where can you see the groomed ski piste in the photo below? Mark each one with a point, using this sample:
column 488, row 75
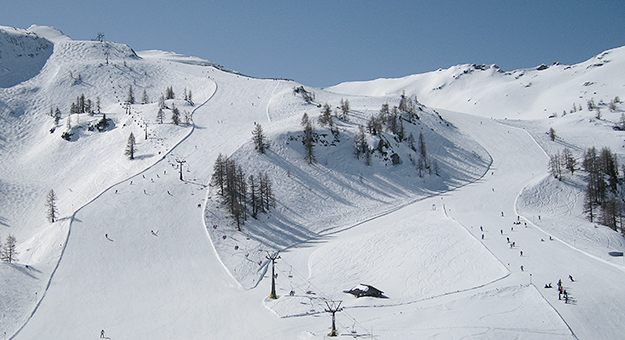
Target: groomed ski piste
column 139, row 253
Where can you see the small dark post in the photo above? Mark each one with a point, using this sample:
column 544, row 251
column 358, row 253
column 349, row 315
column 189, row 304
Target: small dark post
column 146, row 131
column 333, row 310
column 273, row 259
column 180, row 162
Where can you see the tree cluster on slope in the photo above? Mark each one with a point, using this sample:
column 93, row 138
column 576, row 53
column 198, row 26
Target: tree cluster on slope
column 56, row 115
column 326, row 119
column 361, row 146
column 391, row 118
column 345, row 109
column 605, row 188
column 232, row 184
column 188, row 97
column 391, row 121
column 309, row 97
column 169, row 93
column 83, row 105
column 409, row 106
column 562, row 161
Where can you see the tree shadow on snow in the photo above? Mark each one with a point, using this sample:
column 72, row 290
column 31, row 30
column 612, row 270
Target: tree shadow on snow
column 144, row 156
column 279, row 232
column 4, row 222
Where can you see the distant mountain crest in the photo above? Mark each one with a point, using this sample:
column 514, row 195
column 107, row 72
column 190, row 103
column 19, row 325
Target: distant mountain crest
column 486, row 90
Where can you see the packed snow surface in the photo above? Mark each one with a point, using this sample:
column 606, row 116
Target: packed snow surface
column 461, row 251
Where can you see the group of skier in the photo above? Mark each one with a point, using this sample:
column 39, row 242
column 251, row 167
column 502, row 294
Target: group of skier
column 562, row 293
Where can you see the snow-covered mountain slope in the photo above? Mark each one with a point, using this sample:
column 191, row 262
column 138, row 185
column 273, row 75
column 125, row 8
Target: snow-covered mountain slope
column 142, row 254
column 22, row 55
column 488, row 91
column 340, row 189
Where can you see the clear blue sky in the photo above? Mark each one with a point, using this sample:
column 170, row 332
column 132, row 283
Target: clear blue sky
column 322, row 43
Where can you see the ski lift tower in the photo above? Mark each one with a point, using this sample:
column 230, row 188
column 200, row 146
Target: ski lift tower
column 273, row 259
column 180, row 162
column 333, row 309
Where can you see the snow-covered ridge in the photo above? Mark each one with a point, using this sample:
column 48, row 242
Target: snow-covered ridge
column 488, row 91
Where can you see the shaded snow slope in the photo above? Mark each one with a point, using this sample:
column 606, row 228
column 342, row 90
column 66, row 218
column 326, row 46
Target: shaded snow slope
column 488, row 91
column 22, row 55
column 338, row 190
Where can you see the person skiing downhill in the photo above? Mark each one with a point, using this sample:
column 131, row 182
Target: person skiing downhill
column 102, row 334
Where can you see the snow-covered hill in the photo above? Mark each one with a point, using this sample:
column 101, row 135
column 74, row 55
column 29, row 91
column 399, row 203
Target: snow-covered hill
column 140, row 253
column 488, row 91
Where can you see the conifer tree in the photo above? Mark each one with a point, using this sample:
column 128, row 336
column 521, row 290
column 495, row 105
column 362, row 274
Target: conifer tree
column 175, row 115
column 130, row 147
column 259, row 139
column 51, row 211
column 325, row 119
column 169, row 93
column 235, row 192
column 555, row 166
column 8, row 251
column 569, row 161
column 131, row 97
column 345, row 109
column 89, row 107
column 161, row 102
column 57, row 116
column 361, row 147
column 423, row 153
column 552, row 134
column 219, row 173
column 190, row 98
column 145, row 99
column 254, row 196
column 309, row 141
column 159, row 116
column 266, row 191
column 621, row 122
